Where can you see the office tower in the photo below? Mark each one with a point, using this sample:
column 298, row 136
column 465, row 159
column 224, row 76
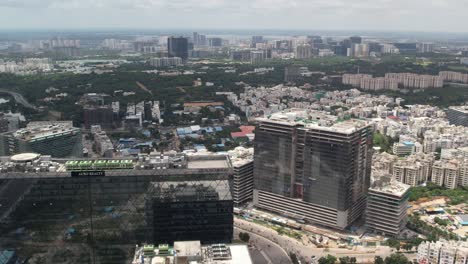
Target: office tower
column 458, row 115
column 356, row 40
column 215, row 42
column 98, row 115
column 242, row 184
column 56, row 138
column 190, row 210
column 375, row 47
column 255, row 40
column 240, row 55
column 303, row 51
column 387, row 202
column 178, row 47
column 195, row 38
column 311, row 165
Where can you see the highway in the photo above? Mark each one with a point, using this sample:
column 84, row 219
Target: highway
column 19, row 99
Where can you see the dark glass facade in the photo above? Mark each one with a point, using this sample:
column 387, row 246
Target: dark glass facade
column 178, row 47
column 318, row 166
column 191, row 211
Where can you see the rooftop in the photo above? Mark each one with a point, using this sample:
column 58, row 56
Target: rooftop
column 387, row 185
column 241, row 156
column 462, row 108
column 40, row 130
column 182, row 191
column 315, row 120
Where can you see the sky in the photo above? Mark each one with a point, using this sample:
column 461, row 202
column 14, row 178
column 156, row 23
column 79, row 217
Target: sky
column 379, row 15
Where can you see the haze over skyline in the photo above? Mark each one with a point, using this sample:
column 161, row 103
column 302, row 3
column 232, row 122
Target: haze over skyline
column 402, row 15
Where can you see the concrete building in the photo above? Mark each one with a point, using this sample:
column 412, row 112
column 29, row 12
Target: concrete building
column 450, row 173
column 165, row 62
column 55, row 138
column 443, row 252
column 303, row 51
column 413, row 170
column 302, row 167
column 458, row 115
column 242, row 163
column 387, row 203
column 192, row 252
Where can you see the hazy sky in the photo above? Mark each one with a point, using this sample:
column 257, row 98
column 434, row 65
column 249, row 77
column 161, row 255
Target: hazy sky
column 419, row 15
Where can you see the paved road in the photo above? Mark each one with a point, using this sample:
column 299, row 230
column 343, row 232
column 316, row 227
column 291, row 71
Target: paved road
column 306, row 251
column 19, row 99
column 265, row 251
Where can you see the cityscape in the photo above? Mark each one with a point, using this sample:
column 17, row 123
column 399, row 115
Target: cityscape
column 231, row 145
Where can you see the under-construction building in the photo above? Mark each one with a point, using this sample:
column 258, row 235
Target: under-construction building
column 387, row 203
column 312, row 166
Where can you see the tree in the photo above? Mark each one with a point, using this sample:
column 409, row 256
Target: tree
column 245, row 237
column 327, row 260
column 378, row 260
column 293, row 258
column 397, row 259
column 394, row 243
column 347, row 260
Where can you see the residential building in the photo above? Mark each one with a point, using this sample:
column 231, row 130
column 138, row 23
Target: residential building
column 443, row 252
column 303, row 51
column 302, row 166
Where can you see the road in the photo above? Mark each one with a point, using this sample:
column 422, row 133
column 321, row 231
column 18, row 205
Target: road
column 19, row 99
column 307, row 251
column 265, row 251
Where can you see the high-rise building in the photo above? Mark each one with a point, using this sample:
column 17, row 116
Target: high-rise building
column 178, row 47
column 258, row 56
column 387, row 203
column 242, row 184
column 215, row 42
column 190, row 210
column 102, row 115
column 55, row 138
column 303, row 51
column 255, row 40
column 458, row 115
column 356, row 40
column 311, row 165
column 425, row 47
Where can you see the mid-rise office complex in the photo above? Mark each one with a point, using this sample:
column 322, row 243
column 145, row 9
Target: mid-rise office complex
column 178, row 47
column 312, row 166
column 458, row 115
column 190, row 210
column 387, row 203
column 57, row 139
column 242, row 184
